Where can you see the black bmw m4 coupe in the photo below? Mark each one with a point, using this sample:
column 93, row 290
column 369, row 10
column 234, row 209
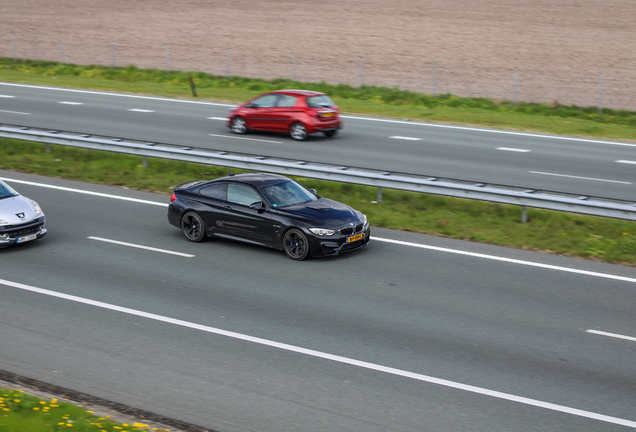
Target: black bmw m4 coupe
column 269, row 210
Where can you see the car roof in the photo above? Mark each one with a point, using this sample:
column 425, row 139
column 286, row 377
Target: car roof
column 299, row 92
column 255, row 179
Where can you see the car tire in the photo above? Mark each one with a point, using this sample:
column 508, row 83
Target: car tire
column 295, row 244
column 193, row 227
column 238, row 125
column 298, row 131
column 331, row 133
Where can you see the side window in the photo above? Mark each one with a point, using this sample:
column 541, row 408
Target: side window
column 241, row 194
column 267, row 101
column 217, row 191
column 286, row 101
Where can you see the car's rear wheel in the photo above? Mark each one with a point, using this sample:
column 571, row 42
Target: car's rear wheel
column 330, row 133
column 296, row 245
column 238, row 125
column 298, row 131
column 193, row 227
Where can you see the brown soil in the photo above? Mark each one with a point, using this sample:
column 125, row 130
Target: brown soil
column 558, row 46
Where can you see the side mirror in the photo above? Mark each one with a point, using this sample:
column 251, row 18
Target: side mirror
column 252, row 105
column 258, row 205
column 313, row 191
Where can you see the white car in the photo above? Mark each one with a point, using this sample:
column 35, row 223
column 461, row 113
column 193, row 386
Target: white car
column 21, row 219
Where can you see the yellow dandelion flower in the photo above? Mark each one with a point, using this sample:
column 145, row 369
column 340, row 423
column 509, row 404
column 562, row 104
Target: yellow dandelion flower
column 42, row 403
column 90, row 412
column 36, row 409
column 16, row 400
column 53, row 401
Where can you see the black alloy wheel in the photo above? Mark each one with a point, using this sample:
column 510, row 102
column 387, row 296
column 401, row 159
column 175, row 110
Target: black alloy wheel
column 238, row 125
column 193, row 227
column 330, row 134
column 296, row 245
column 298, row 131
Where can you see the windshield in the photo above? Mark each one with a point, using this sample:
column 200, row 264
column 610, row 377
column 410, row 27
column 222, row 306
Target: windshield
column 6, row 191
column 286, row 194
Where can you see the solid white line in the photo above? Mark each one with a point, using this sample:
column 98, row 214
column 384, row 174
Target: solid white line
column 248, row 139
column 6, row 96
column 140, row 110
column 512, row 149
column 626, row 162
column 15, row 112
column 399, row 242
column 71, row 103
column 141, row 247
column 614, row 335
column 343, row 116
column 103, row 195
column 509, row 260
column 217, row 118
column 116, row 94
column 406, row 138
column 577, row 177
column 332, row 357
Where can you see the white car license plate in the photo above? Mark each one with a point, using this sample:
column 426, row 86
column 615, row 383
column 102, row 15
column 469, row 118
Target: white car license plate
column 27, row 238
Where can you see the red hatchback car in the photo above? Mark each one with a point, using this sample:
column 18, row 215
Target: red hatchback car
column 296, row 112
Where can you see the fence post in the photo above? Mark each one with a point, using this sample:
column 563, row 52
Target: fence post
column 434, row 89
column 600, row 93
column 379, row 196
column 524, row 214
column 293, row 66
column 515, row 84
column 62, row 50
column 227, row 63
column 14, row 42
column 112, row 54
column 167, row 59
column 193, row 87
column 361, row 73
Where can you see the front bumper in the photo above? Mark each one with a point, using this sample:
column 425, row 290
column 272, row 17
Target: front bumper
column 330, row 246
column 14, row 234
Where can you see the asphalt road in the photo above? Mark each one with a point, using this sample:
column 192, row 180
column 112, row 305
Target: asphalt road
column 413, row 333
column 565, row 164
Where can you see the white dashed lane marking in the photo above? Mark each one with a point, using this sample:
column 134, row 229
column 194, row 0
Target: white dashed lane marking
column 513, row 149
column 141, row 247
column 218, row 118
column 626, row 162
column 15, row 112
column 70, row 103
column 141, row 110
column 6, row 96
column 614, row 335
column 406, row 138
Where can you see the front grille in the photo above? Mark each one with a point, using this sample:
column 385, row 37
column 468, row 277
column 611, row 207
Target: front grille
column 32, row 229
column 351, row 231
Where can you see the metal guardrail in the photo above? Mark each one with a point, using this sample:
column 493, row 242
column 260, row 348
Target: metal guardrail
column 523, row 197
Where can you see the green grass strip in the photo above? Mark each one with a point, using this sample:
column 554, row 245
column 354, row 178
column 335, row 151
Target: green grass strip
column 21, row 412
column 602, row 239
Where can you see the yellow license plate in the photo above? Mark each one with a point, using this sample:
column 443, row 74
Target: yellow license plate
column 328, row 114
column 355, row 238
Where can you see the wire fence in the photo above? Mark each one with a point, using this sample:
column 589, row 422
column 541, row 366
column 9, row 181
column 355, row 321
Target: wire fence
column 613, row 88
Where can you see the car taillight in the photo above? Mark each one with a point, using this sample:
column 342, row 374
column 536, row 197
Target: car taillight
column 173, row 197
column 311, row 113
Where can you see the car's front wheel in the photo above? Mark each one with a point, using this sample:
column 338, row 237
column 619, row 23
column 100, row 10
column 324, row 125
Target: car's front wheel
column 238, row 125
column 193, row 227
column 298, row 131
column 296, row 245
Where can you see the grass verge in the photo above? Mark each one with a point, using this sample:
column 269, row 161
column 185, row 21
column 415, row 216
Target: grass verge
column 602, row 239
column 20, row 412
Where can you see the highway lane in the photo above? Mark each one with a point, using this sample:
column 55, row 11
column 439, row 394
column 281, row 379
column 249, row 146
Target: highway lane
column 586, row 167
column 505, row 326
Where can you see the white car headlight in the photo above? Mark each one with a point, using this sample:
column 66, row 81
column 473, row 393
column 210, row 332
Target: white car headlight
column 36, row 207
column 322, row 231
column 3, row 222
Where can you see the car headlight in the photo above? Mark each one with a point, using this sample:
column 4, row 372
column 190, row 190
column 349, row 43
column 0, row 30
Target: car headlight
column 3, row 222
column 322, row 231
column 364, row 220
column 36, row 207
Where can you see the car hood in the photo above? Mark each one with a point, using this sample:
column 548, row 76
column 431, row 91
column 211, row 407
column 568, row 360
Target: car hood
column 324, row 213
column 10, row 208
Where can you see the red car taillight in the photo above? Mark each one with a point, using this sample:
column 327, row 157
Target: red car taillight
column 311, row 113
column 173, row 197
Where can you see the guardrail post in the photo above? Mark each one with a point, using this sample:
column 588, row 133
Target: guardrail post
column 47, row 149
column 515, row 84
column 144, row 162
column 193, row 87
column 600, row 93
column 167, row 59
column 62, row 51
column 13, row 50
column 361, row 73
column 379, row 198
column 434, row 89
column 227, row 63
column 524, row 214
